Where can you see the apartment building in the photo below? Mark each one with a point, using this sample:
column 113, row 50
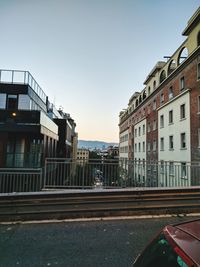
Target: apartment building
column 31, row 128
column 82, row 155
column 168, row 110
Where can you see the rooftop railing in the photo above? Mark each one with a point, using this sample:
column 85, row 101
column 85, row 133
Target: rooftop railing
column 22, row 77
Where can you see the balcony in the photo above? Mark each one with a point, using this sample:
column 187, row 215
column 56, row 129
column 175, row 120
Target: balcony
column 27, row 121
column 21, row 77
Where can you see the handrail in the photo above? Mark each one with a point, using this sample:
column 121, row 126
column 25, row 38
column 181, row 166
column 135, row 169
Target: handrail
column 21, row 77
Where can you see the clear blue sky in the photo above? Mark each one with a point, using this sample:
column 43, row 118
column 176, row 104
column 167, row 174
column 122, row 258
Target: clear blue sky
column 89, row 56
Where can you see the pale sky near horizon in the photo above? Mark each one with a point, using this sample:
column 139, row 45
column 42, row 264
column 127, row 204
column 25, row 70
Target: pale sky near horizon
column 90, row 56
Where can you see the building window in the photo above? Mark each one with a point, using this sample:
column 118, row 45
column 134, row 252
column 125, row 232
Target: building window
column 143, row 146
column 199, row 138
column 161, row 121
column 154, row 125
column 135, row 147
column 154, row 104
column 154, row 85
column 149, row 146
column 135, row 132
column 183, row 140
column 182, row 83
column 12, row 102
column 162, row 76
column 170, row 116
column 183, row 170
column 198, row 99
column 154, row 145
column 162, row 143
column 182, row 111
column 149, row 90
column 139, row 131
column 198, row 38
column 171, row 93
column 171, row 168
column 198, row 71
column 143, row 127
column 161, row 98
column 171, row 142
column 148, row 127
column 139, row 147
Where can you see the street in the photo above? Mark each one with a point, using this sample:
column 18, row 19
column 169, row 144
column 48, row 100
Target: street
column 73, row 244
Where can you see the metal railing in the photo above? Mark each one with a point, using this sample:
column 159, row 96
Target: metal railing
column 20, row 180
column 69, row 173
column 22, row 77
column 98, row 174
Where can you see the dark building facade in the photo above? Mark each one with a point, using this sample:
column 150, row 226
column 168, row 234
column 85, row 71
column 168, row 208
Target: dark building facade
column 31, row 129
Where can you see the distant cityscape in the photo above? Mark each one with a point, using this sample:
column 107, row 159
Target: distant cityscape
column 95, row 145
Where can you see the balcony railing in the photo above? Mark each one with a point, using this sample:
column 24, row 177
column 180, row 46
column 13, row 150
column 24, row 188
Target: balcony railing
column 22, row 77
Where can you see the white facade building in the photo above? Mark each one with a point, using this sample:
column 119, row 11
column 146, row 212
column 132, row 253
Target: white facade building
column 174, row 140
column 123, row 145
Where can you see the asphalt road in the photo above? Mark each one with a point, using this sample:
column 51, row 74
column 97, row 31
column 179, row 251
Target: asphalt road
column 73, row 244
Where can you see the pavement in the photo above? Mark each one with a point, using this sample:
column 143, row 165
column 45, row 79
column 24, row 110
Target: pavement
column 104, row 243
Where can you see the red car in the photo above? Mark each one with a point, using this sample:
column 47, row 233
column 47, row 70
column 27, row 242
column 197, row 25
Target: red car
column 176, row 246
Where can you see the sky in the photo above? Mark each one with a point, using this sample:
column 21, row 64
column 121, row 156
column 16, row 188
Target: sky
column 90, row 56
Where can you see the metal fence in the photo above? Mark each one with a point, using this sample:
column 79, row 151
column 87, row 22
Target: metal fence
column 104, row 173
column 62, row 173
column 20, row 180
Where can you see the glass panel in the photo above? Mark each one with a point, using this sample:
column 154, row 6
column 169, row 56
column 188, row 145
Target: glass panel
column 18, row 77
column 6, row 76
column 159, row 253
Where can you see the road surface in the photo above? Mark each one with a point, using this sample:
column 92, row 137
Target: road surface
column 73, row 244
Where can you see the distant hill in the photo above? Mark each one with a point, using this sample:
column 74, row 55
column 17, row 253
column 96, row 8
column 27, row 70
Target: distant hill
column 91, row 145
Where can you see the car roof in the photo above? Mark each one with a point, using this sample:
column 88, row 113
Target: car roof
column 192, row 228
column 187, row 236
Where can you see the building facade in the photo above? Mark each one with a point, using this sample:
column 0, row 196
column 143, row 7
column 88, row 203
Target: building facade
column 82, row 155
column 163, row 120
column 31, row 128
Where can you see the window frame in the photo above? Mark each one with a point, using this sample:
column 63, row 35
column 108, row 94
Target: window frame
column 198, row 71
column 181, row 111
column 183, row 140
column 171, row 117
column 162, row 121
column 12, row 96
column 171, row 138
column 162, row 144
column 143, row 146
column 182, row 83
column 171, row 92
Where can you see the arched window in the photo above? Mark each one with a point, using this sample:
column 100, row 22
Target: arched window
column 182, row 55
column 154, row 85
column 144, row 95
column 136, row 103
column 149, row 90
column 140, row 99
column 198, row 39
column 162, row 76
column 172, row 66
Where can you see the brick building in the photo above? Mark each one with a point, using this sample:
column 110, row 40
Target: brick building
column 162, row 122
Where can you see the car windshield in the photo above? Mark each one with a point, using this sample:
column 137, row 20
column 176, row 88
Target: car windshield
column 159, row 253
